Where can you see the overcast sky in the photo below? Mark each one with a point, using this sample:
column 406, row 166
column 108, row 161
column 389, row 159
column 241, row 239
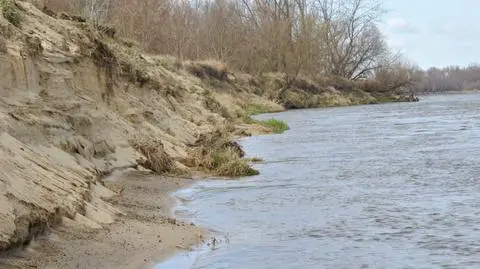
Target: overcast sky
column 434, row 32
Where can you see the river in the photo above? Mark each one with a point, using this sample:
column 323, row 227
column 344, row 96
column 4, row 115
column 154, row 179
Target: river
column 379, row 186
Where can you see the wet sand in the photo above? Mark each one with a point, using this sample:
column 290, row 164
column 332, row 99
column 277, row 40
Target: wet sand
column 143, row 234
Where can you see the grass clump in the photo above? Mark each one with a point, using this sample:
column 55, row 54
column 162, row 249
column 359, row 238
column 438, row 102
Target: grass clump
column 216, row 153
column 11, row 12
column 277, row 126
column 227, row 162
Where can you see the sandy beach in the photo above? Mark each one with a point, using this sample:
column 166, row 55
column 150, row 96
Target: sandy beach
column 143, row 234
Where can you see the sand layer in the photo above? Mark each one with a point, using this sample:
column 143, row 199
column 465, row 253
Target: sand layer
column 76, row 105
column 144, row 232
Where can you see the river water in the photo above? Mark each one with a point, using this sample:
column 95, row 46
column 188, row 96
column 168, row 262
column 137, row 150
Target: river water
column 380, row 186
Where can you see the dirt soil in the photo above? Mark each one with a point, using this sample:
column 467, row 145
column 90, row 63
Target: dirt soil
column 144, row 231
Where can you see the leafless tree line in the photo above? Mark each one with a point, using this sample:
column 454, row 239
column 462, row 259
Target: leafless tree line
column 453, row 78
column 312, row 37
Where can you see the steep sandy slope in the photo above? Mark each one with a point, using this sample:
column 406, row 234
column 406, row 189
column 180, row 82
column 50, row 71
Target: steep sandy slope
column 76, row 104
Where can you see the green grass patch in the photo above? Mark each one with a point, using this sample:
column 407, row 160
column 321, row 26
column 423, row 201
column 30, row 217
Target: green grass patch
column 11, row 12
column 277, row 126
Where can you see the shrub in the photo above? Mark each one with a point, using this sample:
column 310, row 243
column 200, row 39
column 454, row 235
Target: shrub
column 11, row 12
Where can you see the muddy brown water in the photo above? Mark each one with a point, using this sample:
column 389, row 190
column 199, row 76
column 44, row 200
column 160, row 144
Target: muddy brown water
column 383, row 186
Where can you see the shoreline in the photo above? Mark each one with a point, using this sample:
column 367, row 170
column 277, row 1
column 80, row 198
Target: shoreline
column 448, row 93
column 146, row 231
column 178, row 260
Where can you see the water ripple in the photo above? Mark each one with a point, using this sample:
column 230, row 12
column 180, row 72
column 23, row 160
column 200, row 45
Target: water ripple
column 388, row 186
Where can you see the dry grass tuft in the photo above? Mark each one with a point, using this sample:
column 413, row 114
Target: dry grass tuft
column 306, row 84
column 103, row 55
column 107, row 30
column 208, row 69
column 152, row 148
column 75, row 18
column 338, row 83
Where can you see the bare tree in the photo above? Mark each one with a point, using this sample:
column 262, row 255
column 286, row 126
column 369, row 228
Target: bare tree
column 310, row 37
column 97, row 11
column 353, row 39
column 397, row 74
